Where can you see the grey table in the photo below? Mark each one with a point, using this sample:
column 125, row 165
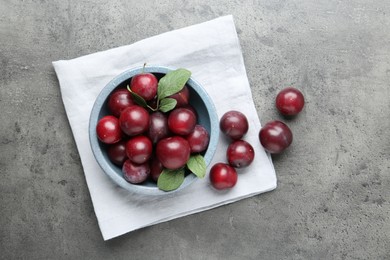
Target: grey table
column 333, row 196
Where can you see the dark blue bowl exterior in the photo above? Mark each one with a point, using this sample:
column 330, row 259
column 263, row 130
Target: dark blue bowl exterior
column 199, row 99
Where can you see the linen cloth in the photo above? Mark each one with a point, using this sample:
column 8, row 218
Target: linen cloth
column 211, row 51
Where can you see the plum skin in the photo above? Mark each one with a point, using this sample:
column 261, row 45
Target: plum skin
column 223, row 176
column 234, row 124
column 173, row 152
column 290, row 101
column 108, row 130
column 275, row 136
column 240, row 154
column 134, row 120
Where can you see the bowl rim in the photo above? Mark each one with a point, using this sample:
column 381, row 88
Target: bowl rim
column 98, row 154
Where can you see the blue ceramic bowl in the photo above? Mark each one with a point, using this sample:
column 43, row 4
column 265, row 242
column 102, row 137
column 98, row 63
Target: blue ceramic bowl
column 199, row 99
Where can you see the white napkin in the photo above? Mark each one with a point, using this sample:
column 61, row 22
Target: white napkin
column 211, row 51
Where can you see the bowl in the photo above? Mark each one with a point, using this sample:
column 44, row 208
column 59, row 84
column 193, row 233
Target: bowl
column 199, row 99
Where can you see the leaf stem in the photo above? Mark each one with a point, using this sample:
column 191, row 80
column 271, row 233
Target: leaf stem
column 157, row 104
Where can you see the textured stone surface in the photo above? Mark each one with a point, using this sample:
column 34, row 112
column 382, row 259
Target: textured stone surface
column 333, row 198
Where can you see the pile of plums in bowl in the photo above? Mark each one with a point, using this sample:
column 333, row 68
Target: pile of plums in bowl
column 153, row 130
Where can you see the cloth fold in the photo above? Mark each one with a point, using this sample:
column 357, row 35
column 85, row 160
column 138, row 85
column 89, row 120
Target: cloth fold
column 211, row 51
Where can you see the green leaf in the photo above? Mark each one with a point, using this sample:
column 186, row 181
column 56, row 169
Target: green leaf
column 170, row 179
column 197, row 165
column 167, row 104
column 137, row 98
column 172, row 82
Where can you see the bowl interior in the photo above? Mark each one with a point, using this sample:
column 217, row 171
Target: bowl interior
column 206, row 116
